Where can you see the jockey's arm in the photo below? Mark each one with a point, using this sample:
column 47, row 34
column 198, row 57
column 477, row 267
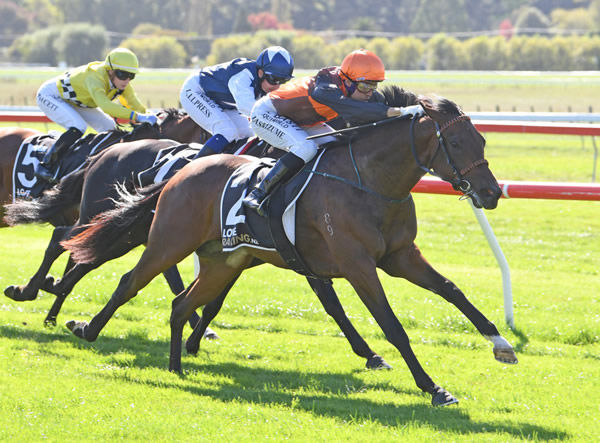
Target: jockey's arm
column 349, row 109
column 240, row 86
column 116, row 110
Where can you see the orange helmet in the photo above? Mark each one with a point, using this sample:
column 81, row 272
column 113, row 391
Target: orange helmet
column 361, row 65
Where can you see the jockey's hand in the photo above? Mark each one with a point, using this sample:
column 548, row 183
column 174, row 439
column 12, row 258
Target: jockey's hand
column 147, row 118
column 414, row 110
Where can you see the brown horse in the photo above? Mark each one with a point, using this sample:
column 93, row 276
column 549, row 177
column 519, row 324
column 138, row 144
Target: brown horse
column 173, row 124
column 355, row 216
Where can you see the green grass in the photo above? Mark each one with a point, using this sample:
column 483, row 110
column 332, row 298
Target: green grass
column 282, row 370
column 485, row 91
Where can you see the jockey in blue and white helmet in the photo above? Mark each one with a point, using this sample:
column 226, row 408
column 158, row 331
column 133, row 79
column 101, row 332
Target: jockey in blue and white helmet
column 219, row 98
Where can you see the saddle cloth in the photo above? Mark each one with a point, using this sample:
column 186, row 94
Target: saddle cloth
column 170, row 160
column 26, row 185
column 241, row 227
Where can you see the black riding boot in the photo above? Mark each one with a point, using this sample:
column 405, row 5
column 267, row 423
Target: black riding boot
column 44, row 169
column 285, row 168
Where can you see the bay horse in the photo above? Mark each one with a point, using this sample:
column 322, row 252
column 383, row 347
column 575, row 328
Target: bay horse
column 60, row 205
column 97, row 196
column 173, row 124
column 356, row 215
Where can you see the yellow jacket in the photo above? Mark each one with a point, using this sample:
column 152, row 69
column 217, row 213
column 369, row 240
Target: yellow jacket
column 89, row 86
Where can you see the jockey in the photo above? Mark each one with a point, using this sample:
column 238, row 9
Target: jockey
column 83, row 96
column 284, row 118
column 219, row 98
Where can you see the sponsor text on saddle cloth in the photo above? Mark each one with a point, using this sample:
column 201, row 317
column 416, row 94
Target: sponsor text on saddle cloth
column 246, row 228
column 26, row 185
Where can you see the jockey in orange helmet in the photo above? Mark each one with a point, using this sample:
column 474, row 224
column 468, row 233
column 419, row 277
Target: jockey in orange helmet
column 285, row 117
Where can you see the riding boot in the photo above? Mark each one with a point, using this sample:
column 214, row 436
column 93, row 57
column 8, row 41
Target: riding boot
column 214, row 145
column 286, row 167
column 44, row 169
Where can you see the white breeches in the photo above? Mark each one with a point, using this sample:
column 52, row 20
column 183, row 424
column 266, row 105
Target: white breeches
column 209, row 115
column 62, row 112
column 283, row 133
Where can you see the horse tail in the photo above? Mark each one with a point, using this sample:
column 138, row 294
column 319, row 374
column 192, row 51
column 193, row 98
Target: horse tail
column 128, row 223
column 53, row 205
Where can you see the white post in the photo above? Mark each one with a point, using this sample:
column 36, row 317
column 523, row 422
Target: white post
column 493, row 242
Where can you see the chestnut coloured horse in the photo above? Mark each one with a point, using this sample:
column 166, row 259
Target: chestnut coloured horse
column 356, row 215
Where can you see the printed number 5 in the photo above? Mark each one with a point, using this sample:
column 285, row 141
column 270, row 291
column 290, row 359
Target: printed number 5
column 29, row 160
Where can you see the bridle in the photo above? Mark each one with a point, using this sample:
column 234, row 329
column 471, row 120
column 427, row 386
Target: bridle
column 458, row 181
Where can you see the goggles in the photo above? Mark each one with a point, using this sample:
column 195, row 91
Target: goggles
column 124, row 75
column 274, row 80
column 366, row 86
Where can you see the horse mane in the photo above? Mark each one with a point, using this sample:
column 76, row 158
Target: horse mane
column 397, row 96
column 172, row 114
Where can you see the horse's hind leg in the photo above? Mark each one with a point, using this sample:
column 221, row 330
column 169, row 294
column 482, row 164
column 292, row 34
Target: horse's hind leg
column 333, row 307
column 216, row 274
column 53, row 251
column 209, row 312
column 175, row 283
column 412, row 266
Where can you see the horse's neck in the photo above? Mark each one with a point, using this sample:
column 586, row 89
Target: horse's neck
column 386, row 164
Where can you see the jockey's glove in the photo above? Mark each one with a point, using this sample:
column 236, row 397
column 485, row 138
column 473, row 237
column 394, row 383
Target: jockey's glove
column 147, row 118
column 414, row 110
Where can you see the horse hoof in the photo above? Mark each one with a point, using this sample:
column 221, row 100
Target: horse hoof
column 15, row 293
column 191, row 350
column 441, row 397
column 377, row 362
column 209, row 334
column 505, row 355
column 11, row 292
column 77, row 328
column 50, row 322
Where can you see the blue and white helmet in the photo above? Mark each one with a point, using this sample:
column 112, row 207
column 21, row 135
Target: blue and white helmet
column 276, row 62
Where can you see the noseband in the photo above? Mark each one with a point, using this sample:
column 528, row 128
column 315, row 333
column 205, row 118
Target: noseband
column 458, row 181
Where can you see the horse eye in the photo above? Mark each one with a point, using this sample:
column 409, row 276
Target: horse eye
column 454, row 144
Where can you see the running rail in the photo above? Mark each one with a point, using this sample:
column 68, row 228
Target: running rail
column 513, row 189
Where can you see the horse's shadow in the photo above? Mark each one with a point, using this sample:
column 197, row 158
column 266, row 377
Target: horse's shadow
column 252, row 385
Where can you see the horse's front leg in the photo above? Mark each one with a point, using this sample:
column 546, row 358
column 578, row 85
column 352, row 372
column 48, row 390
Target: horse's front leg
column 411, row 265
column 53, row 251
column 368, row 287
column 333, row 307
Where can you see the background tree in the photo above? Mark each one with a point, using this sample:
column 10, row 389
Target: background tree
column 14, row 20
column 532, row 18
column 436, row 15
column 81, row 43
column 157, row 51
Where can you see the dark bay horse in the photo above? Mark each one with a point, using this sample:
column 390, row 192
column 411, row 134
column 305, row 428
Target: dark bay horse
column 173, row 124
column 355, row 216
column 60, row 205
column 97, row 196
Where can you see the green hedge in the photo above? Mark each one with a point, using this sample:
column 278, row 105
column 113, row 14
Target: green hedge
column 78, row 43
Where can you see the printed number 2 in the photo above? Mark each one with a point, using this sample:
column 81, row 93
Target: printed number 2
column 29, row 160
column 234, row 216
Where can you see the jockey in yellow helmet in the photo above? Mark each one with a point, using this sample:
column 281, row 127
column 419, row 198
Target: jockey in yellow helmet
column 83, row 97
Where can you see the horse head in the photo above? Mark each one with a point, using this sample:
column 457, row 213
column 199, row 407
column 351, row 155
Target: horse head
column 458, row 156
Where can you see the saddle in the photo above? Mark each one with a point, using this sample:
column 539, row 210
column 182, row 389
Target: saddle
column 170, row 160
column 242, row 227
column 26, row 185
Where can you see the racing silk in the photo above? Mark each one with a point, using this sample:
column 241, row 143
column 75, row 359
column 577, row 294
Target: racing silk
column 89, row 87
column 233, row 85
column 322, row 98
